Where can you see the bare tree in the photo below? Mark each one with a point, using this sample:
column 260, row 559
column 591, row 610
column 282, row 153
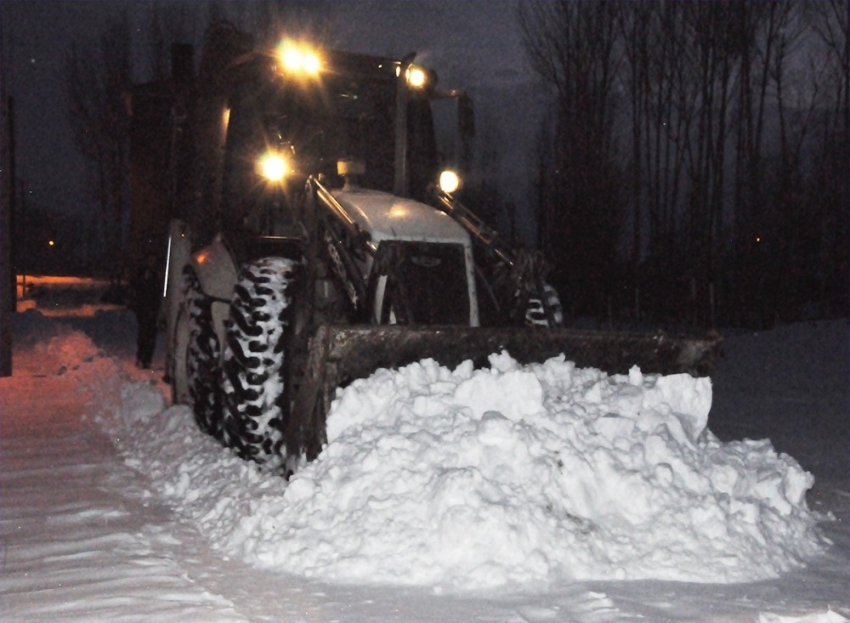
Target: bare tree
column 571, row 46
column 710, row 56
column 831, row 184
column 716, row 110
column 660, row 110
column 758, row 25
column 635, row 27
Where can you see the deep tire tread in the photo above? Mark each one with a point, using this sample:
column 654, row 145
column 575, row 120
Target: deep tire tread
column 252, row 371
column 202, row 356
column 545, row 311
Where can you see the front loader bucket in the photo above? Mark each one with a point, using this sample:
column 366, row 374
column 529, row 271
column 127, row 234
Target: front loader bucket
column 340, row 354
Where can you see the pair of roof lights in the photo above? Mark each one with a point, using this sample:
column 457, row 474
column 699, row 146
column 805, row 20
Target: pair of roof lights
column 296, row 58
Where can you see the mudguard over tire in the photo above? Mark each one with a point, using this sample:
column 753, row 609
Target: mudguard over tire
column 202, row 354
column 253, row 414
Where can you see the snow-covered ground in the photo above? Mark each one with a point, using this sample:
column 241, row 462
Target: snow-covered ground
column 515, row 493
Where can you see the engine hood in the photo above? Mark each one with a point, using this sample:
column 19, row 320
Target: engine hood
column 388, row 217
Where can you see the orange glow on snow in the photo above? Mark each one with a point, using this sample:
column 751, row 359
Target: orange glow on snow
column 26, row 285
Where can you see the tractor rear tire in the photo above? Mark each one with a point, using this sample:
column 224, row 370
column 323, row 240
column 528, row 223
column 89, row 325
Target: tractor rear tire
column 254, row 416
column 202, row 354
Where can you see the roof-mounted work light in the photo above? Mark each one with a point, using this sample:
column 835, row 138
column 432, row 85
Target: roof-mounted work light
column 300, row 59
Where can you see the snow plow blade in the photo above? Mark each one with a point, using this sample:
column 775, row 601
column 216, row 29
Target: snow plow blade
column 340, row 354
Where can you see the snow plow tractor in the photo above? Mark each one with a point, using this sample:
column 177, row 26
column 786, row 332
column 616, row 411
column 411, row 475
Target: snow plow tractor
column 311, row 242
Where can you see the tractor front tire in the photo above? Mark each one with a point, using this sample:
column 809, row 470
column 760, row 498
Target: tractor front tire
column 545, row 311
column 254, row 416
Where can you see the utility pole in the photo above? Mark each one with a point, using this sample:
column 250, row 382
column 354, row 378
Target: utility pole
column 7, row 189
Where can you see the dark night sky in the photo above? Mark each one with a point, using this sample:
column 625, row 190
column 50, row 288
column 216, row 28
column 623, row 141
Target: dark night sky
column 475, row 44
column 35, row 37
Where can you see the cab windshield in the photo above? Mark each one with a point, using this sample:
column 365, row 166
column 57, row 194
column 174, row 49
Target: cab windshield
column 340, row 118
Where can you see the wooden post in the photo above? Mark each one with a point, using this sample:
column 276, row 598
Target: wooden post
column 7, row 188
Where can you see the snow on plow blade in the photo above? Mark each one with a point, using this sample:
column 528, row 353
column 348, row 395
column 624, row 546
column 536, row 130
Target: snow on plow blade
column 340, row 354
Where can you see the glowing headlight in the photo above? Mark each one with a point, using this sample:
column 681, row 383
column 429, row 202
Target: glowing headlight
column 273, row 166
column 449, row 181
column 298, row 59
column 416, row 77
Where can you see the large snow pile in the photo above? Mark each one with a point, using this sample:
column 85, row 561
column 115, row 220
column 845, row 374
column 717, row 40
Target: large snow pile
column 466, row 479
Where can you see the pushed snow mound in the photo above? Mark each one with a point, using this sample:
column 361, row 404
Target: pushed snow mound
column 518, row 474
column 513, row 476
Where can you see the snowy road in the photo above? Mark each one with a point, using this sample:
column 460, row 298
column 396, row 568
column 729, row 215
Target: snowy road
column 87, row 537
column 82, row 538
